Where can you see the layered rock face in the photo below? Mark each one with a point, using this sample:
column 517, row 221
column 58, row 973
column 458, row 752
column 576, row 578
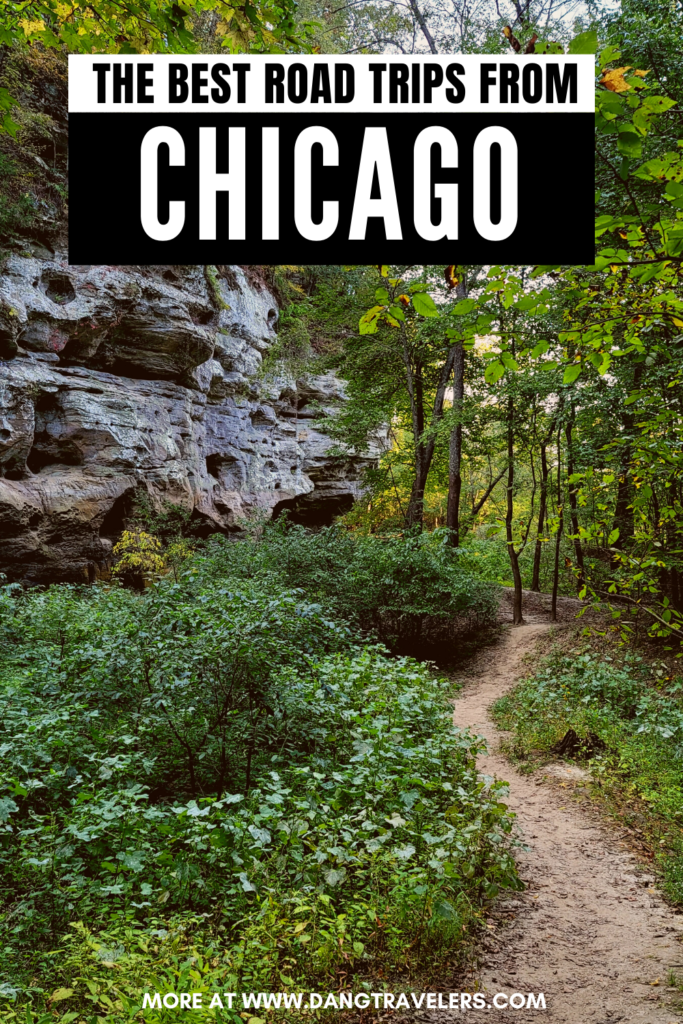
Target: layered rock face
column 117, row 380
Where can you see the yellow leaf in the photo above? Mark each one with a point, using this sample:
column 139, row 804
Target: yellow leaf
column 679, row 323
column 452, row 278
column 61, row 993
column 222, row 26
column 641, row 74
column 614, row 80
column 30, row 27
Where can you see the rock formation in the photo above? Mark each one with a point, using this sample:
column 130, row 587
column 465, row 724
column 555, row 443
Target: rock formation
column 115, row 380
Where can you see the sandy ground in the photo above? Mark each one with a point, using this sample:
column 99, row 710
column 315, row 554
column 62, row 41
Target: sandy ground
column 589, row 931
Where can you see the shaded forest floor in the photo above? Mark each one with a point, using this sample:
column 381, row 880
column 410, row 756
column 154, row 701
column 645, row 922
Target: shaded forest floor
column 590, row 930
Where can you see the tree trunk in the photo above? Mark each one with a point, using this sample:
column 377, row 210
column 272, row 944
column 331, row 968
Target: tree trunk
column 455, row 445
column 415, row 511
column 424, row 452
column 420, row 19
column 536, row 575
column 514, row 557
column 455, row 450
column 573, row 510
column 623, row 514
column 558, row 536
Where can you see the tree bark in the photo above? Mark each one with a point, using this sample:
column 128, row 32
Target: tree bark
column 558, row 536
column 424, row 451
column 420, row 19
column 543, row 500
column 415, row 512
column 623, row 514
column 455, row 445
column 573, row 510
column 512, row 554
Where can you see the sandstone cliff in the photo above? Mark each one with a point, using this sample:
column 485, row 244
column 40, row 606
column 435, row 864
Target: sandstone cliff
column 117, row 379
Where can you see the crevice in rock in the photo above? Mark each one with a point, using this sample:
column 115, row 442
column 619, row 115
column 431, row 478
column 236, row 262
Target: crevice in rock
column 58, row 288
column 51, row 446
column 229, row 276
column 118, row 516
column 220, row 464
column 314, row 510
column 14, row 468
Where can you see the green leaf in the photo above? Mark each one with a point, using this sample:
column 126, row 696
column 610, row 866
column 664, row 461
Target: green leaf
column 424, row 304
column 397, row 313
column 585, row 42
column 368, row 322
column 464, row 306
column 608, row 55
column 445, row 911
column 571, row 373
column 630, row 144
column 508, row 362
column 61, row 993
column 613, row 537
column 494, row 371
column 540, row 349
column 7, row 807
column 382, row 295
column 658, row 104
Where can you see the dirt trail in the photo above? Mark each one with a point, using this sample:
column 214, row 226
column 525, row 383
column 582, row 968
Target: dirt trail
column 590, row 932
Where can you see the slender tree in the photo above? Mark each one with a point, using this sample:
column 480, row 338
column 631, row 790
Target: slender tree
column 542, row 509
column 560, row 524
column 455, row 442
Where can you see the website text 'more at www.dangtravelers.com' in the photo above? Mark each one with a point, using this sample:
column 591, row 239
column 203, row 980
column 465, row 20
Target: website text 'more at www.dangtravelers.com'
column 344, row 1000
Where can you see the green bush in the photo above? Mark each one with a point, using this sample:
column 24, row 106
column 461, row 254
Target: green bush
column 635, row 710
column 390, row 585
column 212, row 783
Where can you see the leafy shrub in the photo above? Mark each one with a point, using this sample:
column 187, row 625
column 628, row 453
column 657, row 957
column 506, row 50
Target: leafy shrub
column 210, row 783
column 392, row 585
column 138, row 556
column 640, row 723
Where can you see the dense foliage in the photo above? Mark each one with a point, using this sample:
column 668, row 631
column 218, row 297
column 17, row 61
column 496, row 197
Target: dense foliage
column 539, row 405
column 394, row 586
column 212, row 783
column 627, row 714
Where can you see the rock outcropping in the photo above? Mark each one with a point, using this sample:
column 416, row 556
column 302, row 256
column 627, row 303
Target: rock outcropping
column 120, row 379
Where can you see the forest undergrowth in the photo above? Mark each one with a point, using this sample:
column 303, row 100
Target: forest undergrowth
column 225, row 781
column 615, row 710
